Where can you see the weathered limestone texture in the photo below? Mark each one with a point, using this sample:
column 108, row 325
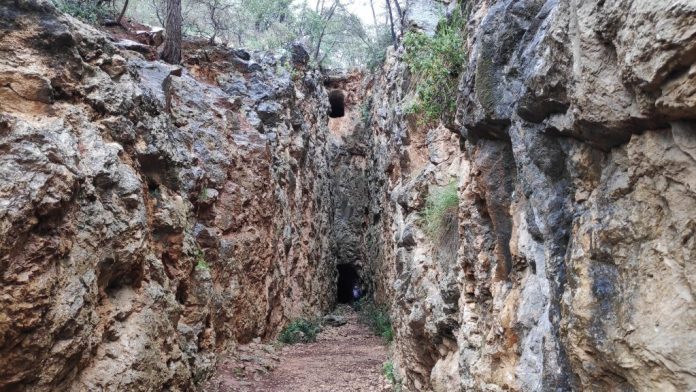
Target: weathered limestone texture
column 574, row 158
column 151, row 216
column 351, row 217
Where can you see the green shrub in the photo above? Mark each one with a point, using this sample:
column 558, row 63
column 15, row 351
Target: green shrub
column 441, row 210
column 436, row 62
column 87, row 11
column 390, row 374
column 300, row 331
column 377, row 318
column 201, row 264
column 376, row 59
column 377, row 49
column 388, row 371
column 203, row 195
column 366, row 111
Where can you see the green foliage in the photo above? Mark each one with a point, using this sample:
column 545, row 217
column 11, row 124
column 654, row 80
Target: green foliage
column 441, row 209
column 343, row 39
column 87, row 11
column 377, row 318
column 436, row 63
column 390, row 374
column 366, row 111
column 201, row 264
column 388, row 371
column 377, row 49
column 203, row 195
column 286, row 67
column 300, row 331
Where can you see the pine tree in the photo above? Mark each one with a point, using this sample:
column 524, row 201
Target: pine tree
column 172, row 41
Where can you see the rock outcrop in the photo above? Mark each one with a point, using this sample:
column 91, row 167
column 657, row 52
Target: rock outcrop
column 151, row 216
column 354, row 238
column 574, row 158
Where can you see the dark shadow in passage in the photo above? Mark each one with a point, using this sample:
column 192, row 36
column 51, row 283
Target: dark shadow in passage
column 347, row 278
column 337, row 102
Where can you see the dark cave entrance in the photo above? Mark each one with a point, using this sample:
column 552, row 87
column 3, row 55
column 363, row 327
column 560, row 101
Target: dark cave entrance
column 337, row 102
column 347, row 277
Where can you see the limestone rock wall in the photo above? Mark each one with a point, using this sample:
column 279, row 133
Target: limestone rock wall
column 350, row 218
column 573, row 153
column 151, row 216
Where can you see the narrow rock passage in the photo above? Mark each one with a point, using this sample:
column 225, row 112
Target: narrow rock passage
column 345, row 358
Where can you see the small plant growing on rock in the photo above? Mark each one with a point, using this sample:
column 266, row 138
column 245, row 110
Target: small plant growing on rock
column 377, row 318
column 390, row 374
column 366, row 111
column 203, row 195
column 300, row 331
column 388, row 371
column 441, row 208
column 436, row 63
column 201, row 264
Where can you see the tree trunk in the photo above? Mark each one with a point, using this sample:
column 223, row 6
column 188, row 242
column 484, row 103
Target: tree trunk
column 391, row 22
column 323, row 29
column 123, row 12
column 158, row 14
column 401, row 16
column 213, row 21
column 398, row 10
column 172, row 41
column 374, row 17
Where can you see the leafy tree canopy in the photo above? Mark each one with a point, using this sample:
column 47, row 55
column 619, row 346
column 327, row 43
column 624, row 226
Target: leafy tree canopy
column 334, row 36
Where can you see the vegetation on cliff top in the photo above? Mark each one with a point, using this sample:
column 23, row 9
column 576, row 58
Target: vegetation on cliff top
column 334, row 35
column 436, row 63
column 90, row 12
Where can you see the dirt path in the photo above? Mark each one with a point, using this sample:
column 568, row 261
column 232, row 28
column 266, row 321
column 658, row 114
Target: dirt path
column 345, row 358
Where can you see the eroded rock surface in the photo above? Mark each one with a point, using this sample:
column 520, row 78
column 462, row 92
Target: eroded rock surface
column 150, row 215
column 571, row 265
